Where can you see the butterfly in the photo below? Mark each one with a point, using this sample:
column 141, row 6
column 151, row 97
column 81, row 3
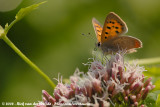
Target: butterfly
column 111, row 37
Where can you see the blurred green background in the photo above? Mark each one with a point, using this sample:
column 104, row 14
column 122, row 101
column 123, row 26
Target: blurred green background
column 51, row 36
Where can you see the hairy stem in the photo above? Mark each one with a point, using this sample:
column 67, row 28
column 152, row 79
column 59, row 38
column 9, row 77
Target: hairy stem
column 28, row 61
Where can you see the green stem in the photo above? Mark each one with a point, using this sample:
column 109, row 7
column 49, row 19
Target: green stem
column 149, row 61
column 29, row 62
column 12, row 23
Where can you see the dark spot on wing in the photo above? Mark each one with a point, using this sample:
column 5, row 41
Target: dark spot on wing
column 106, row 32
column 116, row 27
column 108, row 27
column 105, row 37
column 116, row 31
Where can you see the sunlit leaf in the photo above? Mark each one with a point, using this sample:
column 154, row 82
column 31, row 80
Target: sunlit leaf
column 25, row 11
column 22, row 12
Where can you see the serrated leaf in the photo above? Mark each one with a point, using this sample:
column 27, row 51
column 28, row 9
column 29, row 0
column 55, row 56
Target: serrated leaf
column 25, row 11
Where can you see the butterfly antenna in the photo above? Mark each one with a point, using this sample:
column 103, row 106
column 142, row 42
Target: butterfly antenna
column 84, row 34
column 89, row 35
column 92, row 37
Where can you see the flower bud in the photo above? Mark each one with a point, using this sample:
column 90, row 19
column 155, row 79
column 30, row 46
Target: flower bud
column 114, row 82
column 147, row 82
column 97, row 85
column 146, row 91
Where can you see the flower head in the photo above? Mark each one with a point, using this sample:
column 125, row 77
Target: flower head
column 109, row 84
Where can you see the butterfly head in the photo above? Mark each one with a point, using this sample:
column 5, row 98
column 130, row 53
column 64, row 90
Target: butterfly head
column 98, row 44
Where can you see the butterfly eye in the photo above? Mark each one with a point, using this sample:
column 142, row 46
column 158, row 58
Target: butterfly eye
column 98, row 44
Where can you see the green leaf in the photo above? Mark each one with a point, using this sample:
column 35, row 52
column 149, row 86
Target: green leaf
column 25, row 11
column 152, row 71
column 158, row 100
column 22, row 12
column 157, row 84
column 151, row 99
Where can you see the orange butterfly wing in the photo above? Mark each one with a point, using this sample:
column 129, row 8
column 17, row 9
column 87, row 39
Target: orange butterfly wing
column 113, row 26
column 98, row 29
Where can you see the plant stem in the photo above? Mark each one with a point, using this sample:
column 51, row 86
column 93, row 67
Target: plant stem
column 28, row 61
column 12, row 23
column 147, row 61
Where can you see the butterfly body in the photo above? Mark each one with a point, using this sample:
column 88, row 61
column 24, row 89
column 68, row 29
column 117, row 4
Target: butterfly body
column 110, row 37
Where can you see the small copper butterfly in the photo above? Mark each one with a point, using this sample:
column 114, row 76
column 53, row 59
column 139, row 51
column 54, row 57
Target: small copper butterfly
column 110, row 37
